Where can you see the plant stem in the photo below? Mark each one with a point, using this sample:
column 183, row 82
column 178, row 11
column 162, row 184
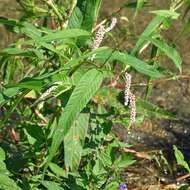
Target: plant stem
column 14, row 107
column 56, row 11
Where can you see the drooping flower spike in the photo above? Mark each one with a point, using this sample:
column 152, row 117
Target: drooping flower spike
column 129, row 98
column 127, row 88
column 100, row 35
column 132, row 106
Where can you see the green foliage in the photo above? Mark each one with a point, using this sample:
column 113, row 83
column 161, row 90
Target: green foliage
column 139, row 65
column 83, row 92
column 180, row 158
column 5, row 181
column 60, row 98
column 74, row 142
column 169, row 51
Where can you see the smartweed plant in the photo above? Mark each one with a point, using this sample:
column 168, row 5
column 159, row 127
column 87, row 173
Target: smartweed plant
column 63, row 88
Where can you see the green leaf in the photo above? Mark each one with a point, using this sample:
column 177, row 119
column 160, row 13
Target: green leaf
column 2, row 99
column 30, row 30
column 74, row 141
column 52, row 185
column 112, row 186
column 89, row 10
column 123, row 161
column 36, row 35
column 105, row 159
column 2, row 154
column 9, row 22
column 83, row 92
column 10, row 92
column 17, row 51
column 7, row 94
column 166, row 13
column 169, row 51
column 10, row 67
column 57, row 170
column 76, row 18
column 29, row 52
column 3, row 169
column 29, row 83
column 7, row 183
column 140, row 4
column 151, row 110
column 139, row 65
column 35, row 132
column 67, row 33
column 98, row 168
column 180, row 158
column 153, row 25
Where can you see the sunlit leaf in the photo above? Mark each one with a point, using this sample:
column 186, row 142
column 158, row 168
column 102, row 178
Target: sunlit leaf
column 153, row 25
column 180, row 158
column 136, row 63
column 83, row 92
column 169, row 51
column 57, row 170
column 52, row 185
column 152, row 110
column 74, row 141
column 166, row 13
column 89, row 10
column 140, row 4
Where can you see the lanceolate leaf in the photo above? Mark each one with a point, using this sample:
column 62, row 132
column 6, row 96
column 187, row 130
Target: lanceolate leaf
column 36, row 34
column 57, row 170
column 89, row 10
column 139, row 65
column 180, row 158
column 76, row 18
column 105, row 53
column 166, row 13
column 7, row 183
column 151, row 110
column 74, row 140
column 67, row 33
column 140, row 4
column 52, row 185
column 153, row 25
column 169, row 51
column 83, row 92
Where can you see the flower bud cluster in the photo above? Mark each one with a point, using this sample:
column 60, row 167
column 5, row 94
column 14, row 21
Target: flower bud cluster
column 49, row 91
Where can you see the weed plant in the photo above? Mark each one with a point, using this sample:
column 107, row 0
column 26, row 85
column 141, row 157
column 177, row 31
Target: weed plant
column 63, row 89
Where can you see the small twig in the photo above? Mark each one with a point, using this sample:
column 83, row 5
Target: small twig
column 51, row 5
column 98, row 25
column 105, row 20
column 154, row 82
column 183, row 177
column 37, row 112
column 138, row 154
column 73, row 4
column 144, row 48
column 13, row 107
